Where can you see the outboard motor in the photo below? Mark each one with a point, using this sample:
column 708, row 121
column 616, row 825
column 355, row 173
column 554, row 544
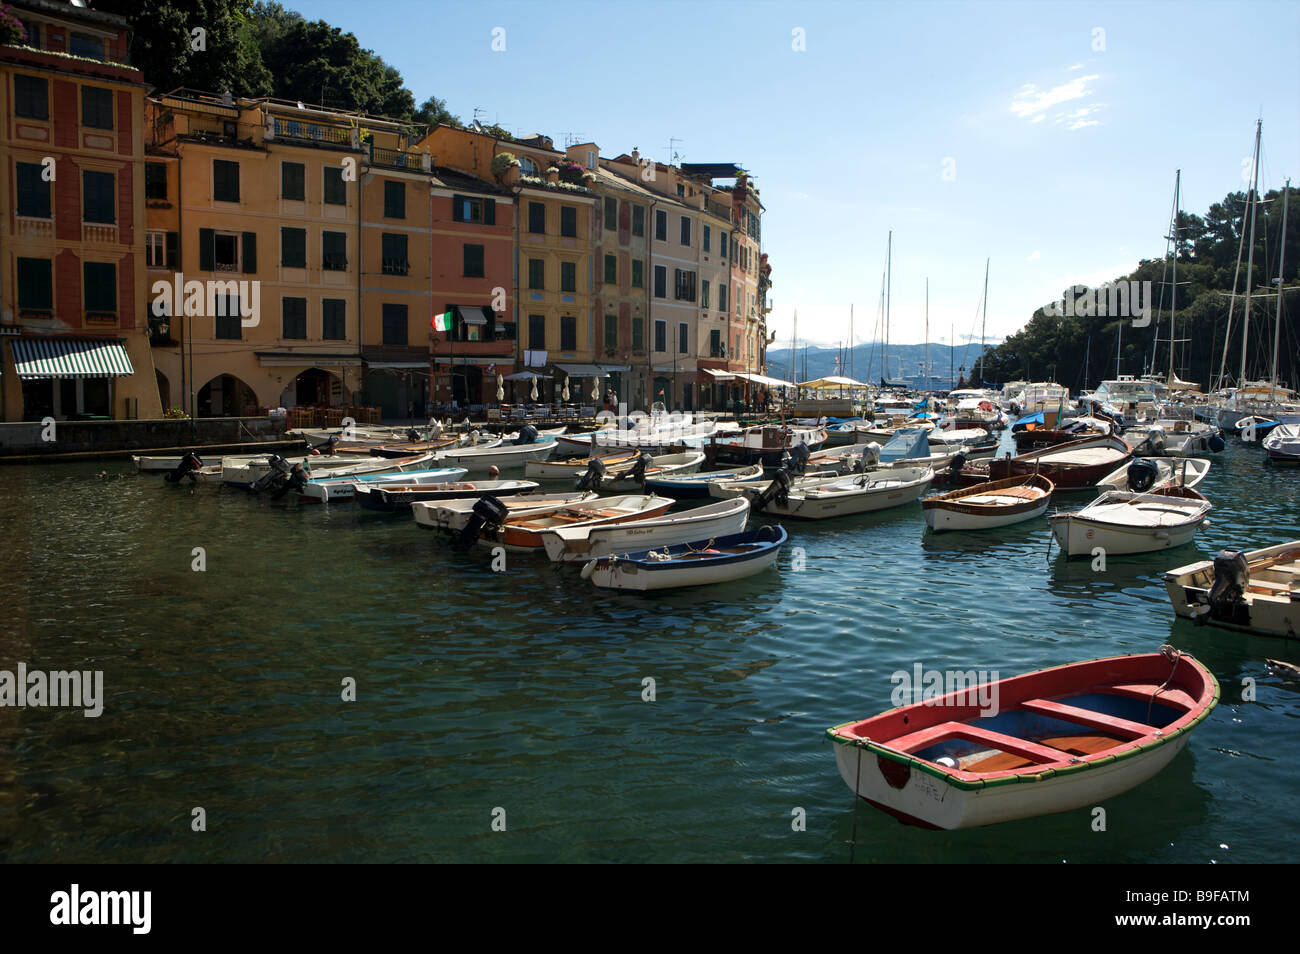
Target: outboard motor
column 1142, row 475
column 639, row 468
column 327, row 446
column 594, row 476
column 1216, row 443
column 189, row 467
column 489, row 513
column 412, row 434
column 868, row 459
column 799, row 455
column 1231, row 577
column 527, row 435
column 279, row 471
column 956, row 464
column 778, row 489
column 296, row 479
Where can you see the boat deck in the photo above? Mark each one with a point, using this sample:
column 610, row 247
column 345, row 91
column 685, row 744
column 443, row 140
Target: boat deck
column 1144, row 513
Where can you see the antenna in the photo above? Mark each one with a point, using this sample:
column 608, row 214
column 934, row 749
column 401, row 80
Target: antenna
column 672, row 150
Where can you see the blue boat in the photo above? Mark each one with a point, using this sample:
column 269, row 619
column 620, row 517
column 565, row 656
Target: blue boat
column 692, row 486
column 734, row 556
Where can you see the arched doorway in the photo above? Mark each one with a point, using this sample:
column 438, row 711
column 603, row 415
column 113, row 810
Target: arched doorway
column 226, row 396
column 164, row 390
column 317, row 388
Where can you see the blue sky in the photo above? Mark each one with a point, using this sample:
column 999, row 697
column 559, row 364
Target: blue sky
column 1013, row 131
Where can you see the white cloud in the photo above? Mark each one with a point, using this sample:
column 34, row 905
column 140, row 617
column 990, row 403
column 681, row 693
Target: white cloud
column 1076, row 66
column 1039, row 118
column 1030, row 101
column 1034, row 256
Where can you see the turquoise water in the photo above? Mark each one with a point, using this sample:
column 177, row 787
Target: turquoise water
column 522, row 691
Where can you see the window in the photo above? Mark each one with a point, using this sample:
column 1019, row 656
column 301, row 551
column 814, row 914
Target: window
column 395, row 324
column 227, row 325
column 293, row 315
column 611, row 269
column 527, row 166
column 683, row 284
column 393, row 251
column 568, row 221
column 568, row 333
column 293, row 181
column 661, row 336
column 611, row 214
column 638, row 273
column 100, row 286
column 686, row 230
column 661, row 281
column 536, row 273
column 160, row 249
column 611, row 331
column 31, row 97
column 293, row 248
column 638, row 220
column 683, row 337
column 466, row 208
column 394, row 200
column 661, row 225
column 537, row 218
column 638, row 335
column 225, row 252
column 504, row 331
column 33, row 37
column 568, row 277
column 722, row 245
column 333, row 320
column 704, row 293
column 155, row 180
column 91, row 47
column 705, row 238
column 737, row 298
column 35, row 285
column 96, row 107
column 334, row 251
column 473, row 261
column 715, row 344
column 98, row 197
column 537, row 332
column 225, row 180
column 722, row 296
column 33, row 191
column 336, row 192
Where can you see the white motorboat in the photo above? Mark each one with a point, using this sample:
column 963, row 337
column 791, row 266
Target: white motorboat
column 582, row 543
column 337, row 489
column 846, row 495
column 687, row 486
column 480, row 460
column 523, row 530
column 453, row 515
column 1175, row 438
column 1283, row 444
column 1120, row 522
column 1255, row 591
column 910, row 447
column 246, row 471
column 720, row 559
column 1148, row 474
column 398, row 497
column 994, row 503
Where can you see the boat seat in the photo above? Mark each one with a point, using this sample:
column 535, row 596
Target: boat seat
column 1087, row 717
column 1144, row 691
column 925, row 738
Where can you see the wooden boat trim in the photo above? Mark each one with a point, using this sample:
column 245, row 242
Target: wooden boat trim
column 952, row 501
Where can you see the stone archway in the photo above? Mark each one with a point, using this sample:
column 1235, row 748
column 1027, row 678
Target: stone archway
column 227, row 396
column 164, row 390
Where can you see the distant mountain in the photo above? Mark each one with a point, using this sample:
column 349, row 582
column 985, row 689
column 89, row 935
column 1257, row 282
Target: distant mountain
column 866, row 363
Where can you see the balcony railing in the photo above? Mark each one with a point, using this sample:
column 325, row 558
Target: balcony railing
column 34, row 228
column 396, row 159
column 396, row 266
column 338, row 137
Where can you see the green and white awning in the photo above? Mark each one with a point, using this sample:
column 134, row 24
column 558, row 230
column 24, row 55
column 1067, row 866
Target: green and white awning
column 37, row 358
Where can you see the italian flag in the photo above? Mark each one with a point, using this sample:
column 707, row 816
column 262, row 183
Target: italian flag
column 442, row 322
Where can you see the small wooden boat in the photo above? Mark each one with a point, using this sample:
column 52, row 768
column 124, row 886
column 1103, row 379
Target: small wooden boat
column 843, row 496
column 570, row 467
column 582, row 543
column 714, row 560
column 398, row 497
column 452, row 516
column 1076, row 465
column 630, row 477
column 523, row 529
column 480, row 460
column 1147, row 474
column 1255, row 591
column 1123, row 522
column 337, row 489
column 845, row 459
column 1048, row 741
column 690, row 486
column 995, row 503
column 246, row 471
column 764, row 445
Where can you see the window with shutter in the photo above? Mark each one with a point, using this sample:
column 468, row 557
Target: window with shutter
column 155, row 180
column 333, row 319
column 537, row 218
column 293, row 181
column 293, row 313
column 393, row 248
column 334, row 251
column 96, row 107
column 611, row 269
column 568, row 333
column 250, row 253
column 293, row 248
column 99, row 287
column 35, row 285
column 31, row 97
column 225, row 180
column 33, row 192
column 537, row 332
column 394, row 317
column 568, row 277
column 568, row 221
column 207, row 246
column 98, row 197
column 394, row 200
column 473, row 256
column 336, row 192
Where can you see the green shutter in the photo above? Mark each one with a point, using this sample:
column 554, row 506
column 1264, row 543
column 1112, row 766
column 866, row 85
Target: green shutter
column 489, row 211
column 250, row 253
column 207, row 250
column 173, row 249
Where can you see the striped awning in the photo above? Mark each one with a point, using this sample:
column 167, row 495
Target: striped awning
column 37, row 358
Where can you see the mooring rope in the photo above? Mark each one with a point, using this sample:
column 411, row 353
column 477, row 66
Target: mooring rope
column 857, row 797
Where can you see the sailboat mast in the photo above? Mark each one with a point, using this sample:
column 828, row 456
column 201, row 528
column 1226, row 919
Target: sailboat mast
column 851, row 342
column 1277, row 328
column 1173, row 295
column 889, row 278
column 984, row 319
column 1250, row 256
column 1236, row 275
column 925, row 384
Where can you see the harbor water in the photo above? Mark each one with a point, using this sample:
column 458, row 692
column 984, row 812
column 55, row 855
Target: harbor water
column 228, row 628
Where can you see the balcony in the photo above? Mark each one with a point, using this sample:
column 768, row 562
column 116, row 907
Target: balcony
column 98, row 234
column 397, row 159
column 396, row 266
column 500, row 348
column 34, row 228
column 313, row 134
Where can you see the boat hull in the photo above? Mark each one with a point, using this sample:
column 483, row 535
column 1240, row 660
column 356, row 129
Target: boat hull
column 581, row 545
column 1270, row 611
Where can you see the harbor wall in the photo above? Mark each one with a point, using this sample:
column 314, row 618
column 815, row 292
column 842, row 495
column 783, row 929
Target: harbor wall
column 34, row 439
